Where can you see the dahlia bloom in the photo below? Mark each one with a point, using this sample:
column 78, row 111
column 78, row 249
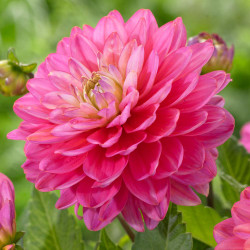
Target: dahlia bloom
column 121, row 121
column 245, row 136
column 234, row 233
column 222, row 58
column 7, row 213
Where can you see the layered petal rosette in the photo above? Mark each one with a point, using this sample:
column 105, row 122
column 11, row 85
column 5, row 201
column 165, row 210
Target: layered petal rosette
column 7, row 214
column 234, row 233
column 121, row 121
column 245, row 136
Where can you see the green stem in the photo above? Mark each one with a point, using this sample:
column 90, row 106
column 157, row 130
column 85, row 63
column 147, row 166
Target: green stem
column 126, row 228
column 210, row 198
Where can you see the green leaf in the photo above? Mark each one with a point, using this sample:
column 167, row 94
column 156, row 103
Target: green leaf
column 28, row 68
column 200, row 222
column 234, row 169
column 49, row 228
column 106, row 243
column 12, row 56
column 18, row 236
column 170, row 234
column 17, row 247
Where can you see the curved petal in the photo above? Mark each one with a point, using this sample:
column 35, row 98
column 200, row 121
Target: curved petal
column 101, row 168
column 93, row 197
column 148, row 190
column 144, row 161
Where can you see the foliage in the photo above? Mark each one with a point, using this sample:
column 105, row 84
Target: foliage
column 170, row 234
column 50, row 228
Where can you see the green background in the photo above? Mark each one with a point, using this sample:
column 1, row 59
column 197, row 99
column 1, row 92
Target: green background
column 33, row 28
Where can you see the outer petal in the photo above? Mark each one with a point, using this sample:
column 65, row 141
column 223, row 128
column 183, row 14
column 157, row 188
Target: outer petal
column 144, row 161
column 101, row 168
column 148, row 190
column 92, row 197
column 233, row 243
column 132, row 214
column 183, row 195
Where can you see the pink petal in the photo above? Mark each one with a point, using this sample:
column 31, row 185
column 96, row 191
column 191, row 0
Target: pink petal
column 148, row 190
column 127, row 143
column 189, row 122
column 141, row 120
column 157, row 94
column 105, row 137
column 101, row 168
column 57, row 62
column 148, row 74
column 202, row 93
column 183, row 195
column 63, row 47
column 233, row 243
column 61, row 164
column 241, row 212
column 171, row 157
column 181, row 88
column 219, row 135
column 112, row 208
column 42, row 71
column 132, row 214
column 105, row 27
column 125, row 55
column 174, row 64
column 67, row 198
column 201, row 54
column 150, row 22
column 165, row 123
column 194, row 155
column 62, row 80
column 136, row 60
column 92, row 220
column 156, row 212
column 48, row 182
column 84, row 51
column 112, row 49
column 242, row 231
column 144, row 161
column 139, row 33
column 78, row 70
column 215, row 117
column 93, row 197
column 180, row 35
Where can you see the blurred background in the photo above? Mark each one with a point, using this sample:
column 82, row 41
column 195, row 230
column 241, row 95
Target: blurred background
column 33, row 28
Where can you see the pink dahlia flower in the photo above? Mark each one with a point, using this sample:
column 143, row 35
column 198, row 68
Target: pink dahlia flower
column 245, row 136
column 7, row 213
column 234, row 233
column 121, row 121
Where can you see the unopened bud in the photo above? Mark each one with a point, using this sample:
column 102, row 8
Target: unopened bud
column 14, row 75
column 222, row 57
column 8, row 234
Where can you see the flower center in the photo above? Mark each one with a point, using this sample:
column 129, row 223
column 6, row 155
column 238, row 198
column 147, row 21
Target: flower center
column 101, row 89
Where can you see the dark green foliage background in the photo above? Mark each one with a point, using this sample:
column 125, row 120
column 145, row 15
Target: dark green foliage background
column 34, row 27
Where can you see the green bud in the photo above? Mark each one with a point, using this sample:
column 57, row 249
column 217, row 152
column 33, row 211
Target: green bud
column 14, row 75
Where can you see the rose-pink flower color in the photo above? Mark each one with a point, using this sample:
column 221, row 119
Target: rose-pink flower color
column 121, row 121
column 7, row 212
column 234, row 233
column 245, row 136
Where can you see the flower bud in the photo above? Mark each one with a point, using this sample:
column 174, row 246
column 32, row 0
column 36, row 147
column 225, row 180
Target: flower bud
column 14, row 75
column 7, row 214
column 222, row 57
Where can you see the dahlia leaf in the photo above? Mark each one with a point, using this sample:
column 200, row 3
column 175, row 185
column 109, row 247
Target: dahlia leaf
column 200, row 222
column 106, row 243
column 170, row 234
column 49, row 228
column 234, row 166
